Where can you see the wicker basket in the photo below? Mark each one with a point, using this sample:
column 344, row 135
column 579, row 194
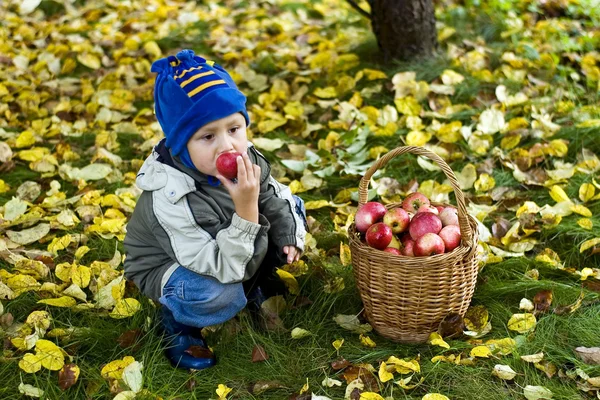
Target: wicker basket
column 406, row 298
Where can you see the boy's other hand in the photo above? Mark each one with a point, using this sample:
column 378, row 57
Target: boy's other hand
column 293, row 253
column 245, row 191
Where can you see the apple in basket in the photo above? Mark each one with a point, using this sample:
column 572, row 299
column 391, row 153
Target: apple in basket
column 379, row 236
column 414, row 201
column 368, row 214
column 392, row 251
column 449, row 216
column 428, row 208
column 397, row 219
column 428, row 245
column 450, row 234
column 423, row 223
column 227, row 165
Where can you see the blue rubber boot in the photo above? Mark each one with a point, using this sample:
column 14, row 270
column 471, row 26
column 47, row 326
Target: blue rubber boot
column 186, row 346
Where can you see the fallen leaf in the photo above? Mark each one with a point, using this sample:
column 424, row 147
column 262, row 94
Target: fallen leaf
column 589, row 355
column 299, row 333
column 533, row 358
column 503, row 372
column 536, row 392
column 198, row 352
column 29, row 390
column 68, row 376
column 259, row 354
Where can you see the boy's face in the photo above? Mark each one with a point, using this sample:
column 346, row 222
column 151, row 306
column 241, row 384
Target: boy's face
column 215, row 138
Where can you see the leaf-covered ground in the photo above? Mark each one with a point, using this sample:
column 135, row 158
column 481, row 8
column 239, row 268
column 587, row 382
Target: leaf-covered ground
column 510, row 102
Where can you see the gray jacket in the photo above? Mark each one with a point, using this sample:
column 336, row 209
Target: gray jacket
column 184, row 218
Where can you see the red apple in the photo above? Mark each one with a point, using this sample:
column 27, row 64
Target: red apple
column 439, row 208
column 428, row 208
column 393, row 251
column 449, row 216
column 413, row 201
column 395, row 243
column 408, row 249
column 450, row 234
column 379, row 235
column 227, row 165
column 397, row 219
column 423, row 223
column 369, row 214
column 428, row 245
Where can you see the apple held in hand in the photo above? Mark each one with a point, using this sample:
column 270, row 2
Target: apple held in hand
column 397, row 219
column 227, row 165
column 370, row 213
column 423, row 223
column 379, row 236
column 428, row 245
column 414, row 201
column 450, row 234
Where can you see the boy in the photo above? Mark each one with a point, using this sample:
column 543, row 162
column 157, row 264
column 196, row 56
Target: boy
column 199, row 243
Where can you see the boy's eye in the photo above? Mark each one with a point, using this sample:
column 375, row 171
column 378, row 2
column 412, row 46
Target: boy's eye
column 234, row 129
column 207, row 137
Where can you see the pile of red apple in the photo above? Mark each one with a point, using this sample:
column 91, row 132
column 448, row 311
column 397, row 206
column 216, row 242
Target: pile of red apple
column 416, row 229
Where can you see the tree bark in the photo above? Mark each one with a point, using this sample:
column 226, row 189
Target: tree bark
column 405, row 29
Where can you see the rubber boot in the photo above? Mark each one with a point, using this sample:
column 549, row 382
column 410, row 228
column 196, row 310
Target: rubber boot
column 180, row 338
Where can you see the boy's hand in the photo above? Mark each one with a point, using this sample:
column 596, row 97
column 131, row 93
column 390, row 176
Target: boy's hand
column 245, row 191
column 293, row 253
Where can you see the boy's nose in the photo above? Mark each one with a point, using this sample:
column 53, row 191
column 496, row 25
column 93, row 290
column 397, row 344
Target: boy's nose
column 225, row 144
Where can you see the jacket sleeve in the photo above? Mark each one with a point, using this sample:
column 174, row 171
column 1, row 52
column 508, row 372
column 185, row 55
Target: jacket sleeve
column 277, row 204
column 231, row 256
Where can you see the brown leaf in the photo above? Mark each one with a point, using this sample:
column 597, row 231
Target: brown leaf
column 500, row 227
column 542, row 301
column 355, row 395
column 571, row 307
column 67, row 376
column 452, row 325
column 129, row 338
column 49, row 261
column 340, row 363
column 190, row 385
column 199, row 352
column 262, row 386
column 589, row 355
column 303, row 396
column 592, row 285
column 6, row 320
column 259, row 354
column 370, row 381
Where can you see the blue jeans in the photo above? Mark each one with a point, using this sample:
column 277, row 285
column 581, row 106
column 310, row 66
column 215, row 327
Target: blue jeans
column 200, row 300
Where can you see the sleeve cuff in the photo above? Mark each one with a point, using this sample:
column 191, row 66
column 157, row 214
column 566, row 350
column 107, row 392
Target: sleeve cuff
column 250, row 227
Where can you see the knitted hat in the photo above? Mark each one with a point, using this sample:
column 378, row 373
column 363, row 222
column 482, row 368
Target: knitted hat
column 189, row 93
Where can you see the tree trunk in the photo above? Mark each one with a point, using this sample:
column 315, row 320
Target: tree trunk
column 405, row 29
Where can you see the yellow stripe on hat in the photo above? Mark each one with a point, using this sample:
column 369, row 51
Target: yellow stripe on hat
column 186, row 71
column 204, row 86
column 193, row 78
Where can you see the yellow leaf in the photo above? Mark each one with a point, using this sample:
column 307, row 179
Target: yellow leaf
column 345, row 255
column 59, row 244
column 522, row 323
column 222, row 391
column 81, row 251
column 328, row 92
column 49, row 354
column 586, row 192
column 30, row 363
column 384, row 375
column 436, row 340
column 417, row 138
column 558, row 194
column 533, row 358
column 81, row 276
column 502, row 346
column 125, row 308
column 581, row 210
column 337, row 344
column 585, row 273
column 481, row 351
column 22, row 283
column 408, row 106
column 467, row 177
column 367, row 341
column 485, row 183
column 434, row 396
column 588, row 244
column 370, row 396
column 294, row 109
column 529, row 207
column 63, row 301
column 510, row 142
column 25, row 139
column 4, row 187
column 33, row 154
column 316, row 204
column 373, row 74
column 114, row 369
column 152, row 48
column 39, row 320
column 450, row 133
column 271, row 124
column 290, row 281
column 305, row 387
column 404, row 367
column 89, row 60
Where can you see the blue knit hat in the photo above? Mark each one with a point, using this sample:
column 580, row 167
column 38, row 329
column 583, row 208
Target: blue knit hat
column 189, row 93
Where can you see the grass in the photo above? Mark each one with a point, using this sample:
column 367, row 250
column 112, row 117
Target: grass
column 293, row 362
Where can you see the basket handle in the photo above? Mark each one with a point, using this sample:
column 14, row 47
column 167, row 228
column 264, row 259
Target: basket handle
column 463, row 222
